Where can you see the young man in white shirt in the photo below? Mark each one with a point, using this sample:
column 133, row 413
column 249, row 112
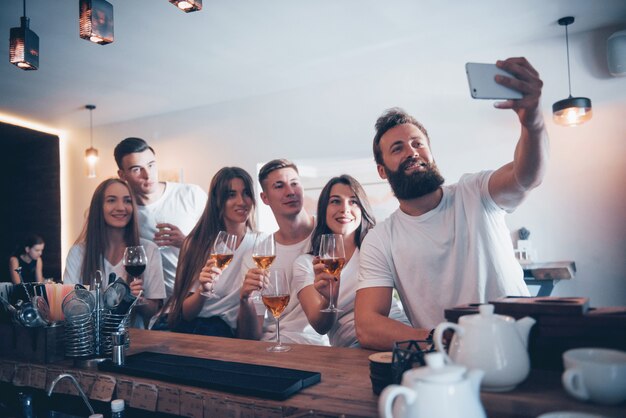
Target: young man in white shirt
column 445, row 245
column 284, row 194
column 167, row 211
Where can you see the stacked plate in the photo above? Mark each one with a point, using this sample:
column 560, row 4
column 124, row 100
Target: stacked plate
column 380, row 370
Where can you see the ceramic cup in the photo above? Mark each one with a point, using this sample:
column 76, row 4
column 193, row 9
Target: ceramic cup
column 595, row 374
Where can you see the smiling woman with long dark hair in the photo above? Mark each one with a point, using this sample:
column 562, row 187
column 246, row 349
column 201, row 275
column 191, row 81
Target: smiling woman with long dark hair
column 230, row 208
column 110, row 227
column 343, row 209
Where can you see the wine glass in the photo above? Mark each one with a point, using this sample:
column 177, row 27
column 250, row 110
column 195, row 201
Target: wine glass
column 275, row 297
column 222, row 252
column 135, row 261
column 159, row 221
column 263, row 254
column 333, row 257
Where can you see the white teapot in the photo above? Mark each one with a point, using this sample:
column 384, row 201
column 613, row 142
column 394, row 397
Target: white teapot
column 496, row 344
column 436, row 390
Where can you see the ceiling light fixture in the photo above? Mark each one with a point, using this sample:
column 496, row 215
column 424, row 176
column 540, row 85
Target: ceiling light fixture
column 24, row 45
column 572, row 111
column 188, row 5
column 91, row 154
column 96, row 21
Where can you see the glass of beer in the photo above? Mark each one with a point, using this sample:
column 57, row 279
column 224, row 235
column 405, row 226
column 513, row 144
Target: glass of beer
column 333, row 257
column 222, row 252
column 275, row 297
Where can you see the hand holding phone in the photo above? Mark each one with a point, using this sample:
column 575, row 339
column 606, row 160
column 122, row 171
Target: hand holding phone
column 482, row 83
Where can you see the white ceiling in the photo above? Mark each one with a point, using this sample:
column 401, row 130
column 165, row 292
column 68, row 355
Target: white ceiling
column 164, row 60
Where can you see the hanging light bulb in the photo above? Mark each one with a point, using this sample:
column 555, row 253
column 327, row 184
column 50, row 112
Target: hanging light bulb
column 24, row 45
column 188, row 5
column 96, row 21
column 91, row 154
column 572, row 111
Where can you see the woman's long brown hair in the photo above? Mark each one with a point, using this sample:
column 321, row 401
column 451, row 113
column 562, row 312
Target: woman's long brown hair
column 95, row 234
column 196, row 247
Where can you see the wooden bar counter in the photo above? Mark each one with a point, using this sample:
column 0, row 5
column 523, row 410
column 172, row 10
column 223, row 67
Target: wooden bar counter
column 345, row 389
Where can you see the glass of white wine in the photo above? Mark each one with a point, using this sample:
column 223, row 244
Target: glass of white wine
column 275, row 297
column 332, row 255
column 222, row 251
column 263, row 254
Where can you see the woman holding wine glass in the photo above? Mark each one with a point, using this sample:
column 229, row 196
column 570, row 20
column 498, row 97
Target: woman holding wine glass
column 326, row 280
column 208, row 277
column 111, row 226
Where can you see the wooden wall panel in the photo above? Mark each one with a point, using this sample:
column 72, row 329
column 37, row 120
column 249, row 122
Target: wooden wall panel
column 31, row 194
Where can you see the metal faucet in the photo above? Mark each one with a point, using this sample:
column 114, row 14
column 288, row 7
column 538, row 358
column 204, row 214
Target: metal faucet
column 75, row 382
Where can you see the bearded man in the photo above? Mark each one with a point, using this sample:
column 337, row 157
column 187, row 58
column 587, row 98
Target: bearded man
column 446, row 244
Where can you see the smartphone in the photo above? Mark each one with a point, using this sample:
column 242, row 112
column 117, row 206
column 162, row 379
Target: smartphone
column 482, row 83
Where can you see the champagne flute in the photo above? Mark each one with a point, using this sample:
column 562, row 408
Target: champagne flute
column 263, row 254
column 276, row 298
column 135, row 261
column 333, row 257
column 222, row 252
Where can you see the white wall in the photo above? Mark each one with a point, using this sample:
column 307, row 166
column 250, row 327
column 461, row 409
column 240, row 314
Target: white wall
column 578, row 213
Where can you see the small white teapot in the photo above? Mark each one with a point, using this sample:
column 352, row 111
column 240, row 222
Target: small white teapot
column 496, row 344
column 436, row 390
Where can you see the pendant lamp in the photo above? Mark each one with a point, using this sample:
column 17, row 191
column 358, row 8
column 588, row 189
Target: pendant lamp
column 91, row 154
column 572, row 111
column 188, row 5
column 96, row 21
column 24, row 45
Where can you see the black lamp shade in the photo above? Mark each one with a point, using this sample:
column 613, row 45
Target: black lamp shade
column 572, row 111
column 24, row 47
column 188, row 5
column 96, row 21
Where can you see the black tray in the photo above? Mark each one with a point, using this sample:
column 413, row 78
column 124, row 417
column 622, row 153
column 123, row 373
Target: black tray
column 239, row 378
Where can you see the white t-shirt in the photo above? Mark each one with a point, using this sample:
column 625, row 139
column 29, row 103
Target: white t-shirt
column 460, row 252
column 180, row 205
column 294, row 325
column 225, row 302
column 342, row 334
column 153, row 286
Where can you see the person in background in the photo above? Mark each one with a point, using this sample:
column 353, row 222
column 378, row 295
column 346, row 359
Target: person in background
column 445, row 245
column 27, row 255
column 230, row 208
column 167, row 210
column 342, row 208
column 283, row 193
column 111, row 226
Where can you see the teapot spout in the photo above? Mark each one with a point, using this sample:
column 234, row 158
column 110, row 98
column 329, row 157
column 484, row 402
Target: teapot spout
column 523, row 328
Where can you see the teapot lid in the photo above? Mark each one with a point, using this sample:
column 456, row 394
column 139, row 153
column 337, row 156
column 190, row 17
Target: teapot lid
column 437, row 371
column 485, row 313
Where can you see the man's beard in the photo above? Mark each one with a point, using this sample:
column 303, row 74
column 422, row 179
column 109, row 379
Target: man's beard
column 416, row 184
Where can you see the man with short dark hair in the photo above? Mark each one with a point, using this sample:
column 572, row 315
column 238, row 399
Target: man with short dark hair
column 284, row 194
column 167, row 211
column 445, row 245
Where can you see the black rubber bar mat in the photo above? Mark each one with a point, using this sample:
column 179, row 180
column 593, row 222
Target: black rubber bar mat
column 239, row 378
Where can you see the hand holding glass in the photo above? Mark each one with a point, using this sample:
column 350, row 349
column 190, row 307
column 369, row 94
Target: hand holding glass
column 222, row 252
column 135, row 261
column 275, row 297
column 332, row 255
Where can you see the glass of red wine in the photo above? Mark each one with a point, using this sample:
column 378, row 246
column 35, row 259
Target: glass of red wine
column 135, row 261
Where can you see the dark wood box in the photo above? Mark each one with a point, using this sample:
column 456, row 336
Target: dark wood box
column 559, row 329
column 37, row 345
